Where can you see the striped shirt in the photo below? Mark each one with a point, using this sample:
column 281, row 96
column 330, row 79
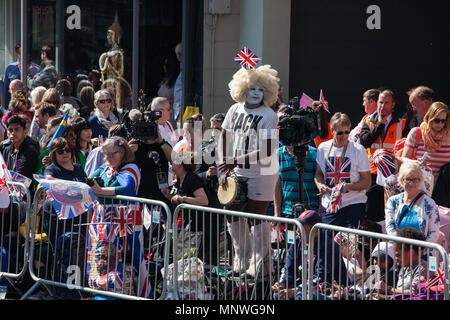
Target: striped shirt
column 435, row 159
column 289, row 180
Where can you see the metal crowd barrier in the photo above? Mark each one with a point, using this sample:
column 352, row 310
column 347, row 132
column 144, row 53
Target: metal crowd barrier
column 204, row 254
column 14, row 222
column 363, row 265
column 117, row 250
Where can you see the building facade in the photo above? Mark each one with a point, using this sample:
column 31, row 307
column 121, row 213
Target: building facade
column 341, row 47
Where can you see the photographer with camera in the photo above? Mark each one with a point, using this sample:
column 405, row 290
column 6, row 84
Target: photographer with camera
column 166, row 130
column 118, row 175
column 340, row 161
column 152, row 154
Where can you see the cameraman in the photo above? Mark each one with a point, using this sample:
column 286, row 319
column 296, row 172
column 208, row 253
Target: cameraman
column 286, row 193
column 166, row 130
column 152, row 157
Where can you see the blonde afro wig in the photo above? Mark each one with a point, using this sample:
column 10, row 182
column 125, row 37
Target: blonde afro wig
column 264, row 76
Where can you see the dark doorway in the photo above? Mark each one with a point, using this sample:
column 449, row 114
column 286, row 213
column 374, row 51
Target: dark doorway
column 160, row 31
column 332, row 49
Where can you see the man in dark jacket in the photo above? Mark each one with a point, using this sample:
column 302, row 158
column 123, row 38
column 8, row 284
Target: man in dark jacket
column 18, row 150
column 380, row 132
column 48, row 76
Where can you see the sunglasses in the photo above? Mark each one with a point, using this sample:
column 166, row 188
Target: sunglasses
column 62, row 151
column 52, row 102
column 105, row 101
column 411, row 180
column 340, row 133
column 440, row 121
column 109, row 155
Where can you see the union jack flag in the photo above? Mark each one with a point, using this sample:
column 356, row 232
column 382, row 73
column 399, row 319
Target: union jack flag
column 115, row 232
column 247, row 58
column 324, row 102
column 335, row 199
column 17, row 177
column 438, row 279
column 4, row 174
column 70, row 199
column 337, row 171
column 384, row 161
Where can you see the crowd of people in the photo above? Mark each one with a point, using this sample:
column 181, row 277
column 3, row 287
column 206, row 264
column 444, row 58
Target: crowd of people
column 388, row 170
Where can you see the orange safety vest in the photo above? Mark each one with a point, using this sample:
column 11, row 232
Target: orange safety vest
column 393, row 134
column 318, row 140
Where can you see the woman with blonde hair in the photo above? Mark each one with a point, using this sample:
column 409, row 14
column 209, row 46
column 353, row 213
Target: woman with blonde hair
column 434, row 139
column 36, row 96
column 105, row 116
column 412, row 208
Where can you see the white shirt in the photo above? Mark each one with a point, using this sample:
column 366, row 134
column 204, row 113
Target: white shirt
column 354, row 134
column 177, row 92
column 355, row 161
column 249, row 127
column 168, row 134
column 180, row 144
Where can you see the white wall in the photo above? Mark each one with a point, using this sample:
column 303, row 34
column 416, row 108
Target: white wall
column 261, row 25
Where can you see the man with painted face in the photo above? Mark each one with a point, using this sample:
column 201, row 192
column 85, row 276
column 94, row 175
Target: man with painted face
column 248, row 144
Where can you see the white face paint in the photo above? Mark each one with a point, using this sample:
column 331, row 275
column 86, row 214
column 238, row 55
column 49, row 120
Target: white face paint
column 255, row 95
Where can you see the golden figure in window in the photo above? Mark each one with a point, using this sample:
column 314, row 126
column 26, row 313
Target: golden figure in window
column 111, row 63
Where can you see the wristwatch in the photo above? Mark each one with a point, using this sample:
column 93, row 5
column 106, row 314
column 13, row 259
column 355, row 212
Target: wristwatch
column 164, row 143
column 184, row 199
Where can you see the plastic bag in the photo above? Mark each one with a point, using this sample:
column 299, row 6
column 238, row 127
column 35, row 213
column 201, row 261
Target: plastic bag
column 190, row 277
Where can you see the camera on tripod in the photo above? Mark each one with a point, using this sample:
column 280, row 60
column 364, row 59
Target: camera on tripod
column 299, row 126
column 141, row 126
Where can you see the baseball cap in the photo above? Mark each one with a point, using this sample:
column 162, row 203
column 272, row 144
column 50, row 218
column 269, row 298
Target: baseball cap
column 309, row 217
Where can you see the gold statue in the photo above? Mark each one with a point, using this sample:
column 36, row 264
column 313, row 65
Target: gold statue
column 111, row 63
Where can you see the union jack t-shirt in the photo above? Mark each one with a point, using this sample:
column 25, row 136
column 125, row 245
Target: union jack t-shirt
column 338, row 168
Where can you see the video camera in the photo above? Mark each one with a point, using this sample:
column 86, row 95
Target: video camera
column 141, row 126
column 299, row 126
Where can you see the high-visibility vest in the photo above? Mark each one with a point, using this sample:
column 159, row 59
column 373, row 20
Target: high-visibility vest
column 393, row 134
column 318, row 140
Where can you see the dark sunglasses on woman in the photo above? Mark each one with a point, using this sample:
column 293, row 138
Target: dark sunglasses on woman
column 62, row 151
column 440, row 121
column 340, row 133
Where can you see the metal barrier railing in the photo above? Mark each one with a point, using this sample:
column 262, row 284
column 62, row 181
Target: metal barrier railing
column 119, row 249
column 14, row 222
column 376, row 266
column 206, row 266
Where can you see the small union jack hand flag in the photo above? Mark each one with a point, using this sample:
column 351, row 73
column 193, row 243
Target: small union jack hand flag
column 324, row 102
column 247, row 58
column 438, row 279
column 335, row 198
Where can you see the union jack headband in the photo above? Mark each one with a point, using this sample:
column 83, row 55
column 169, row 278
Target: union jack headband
column 118, row 140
